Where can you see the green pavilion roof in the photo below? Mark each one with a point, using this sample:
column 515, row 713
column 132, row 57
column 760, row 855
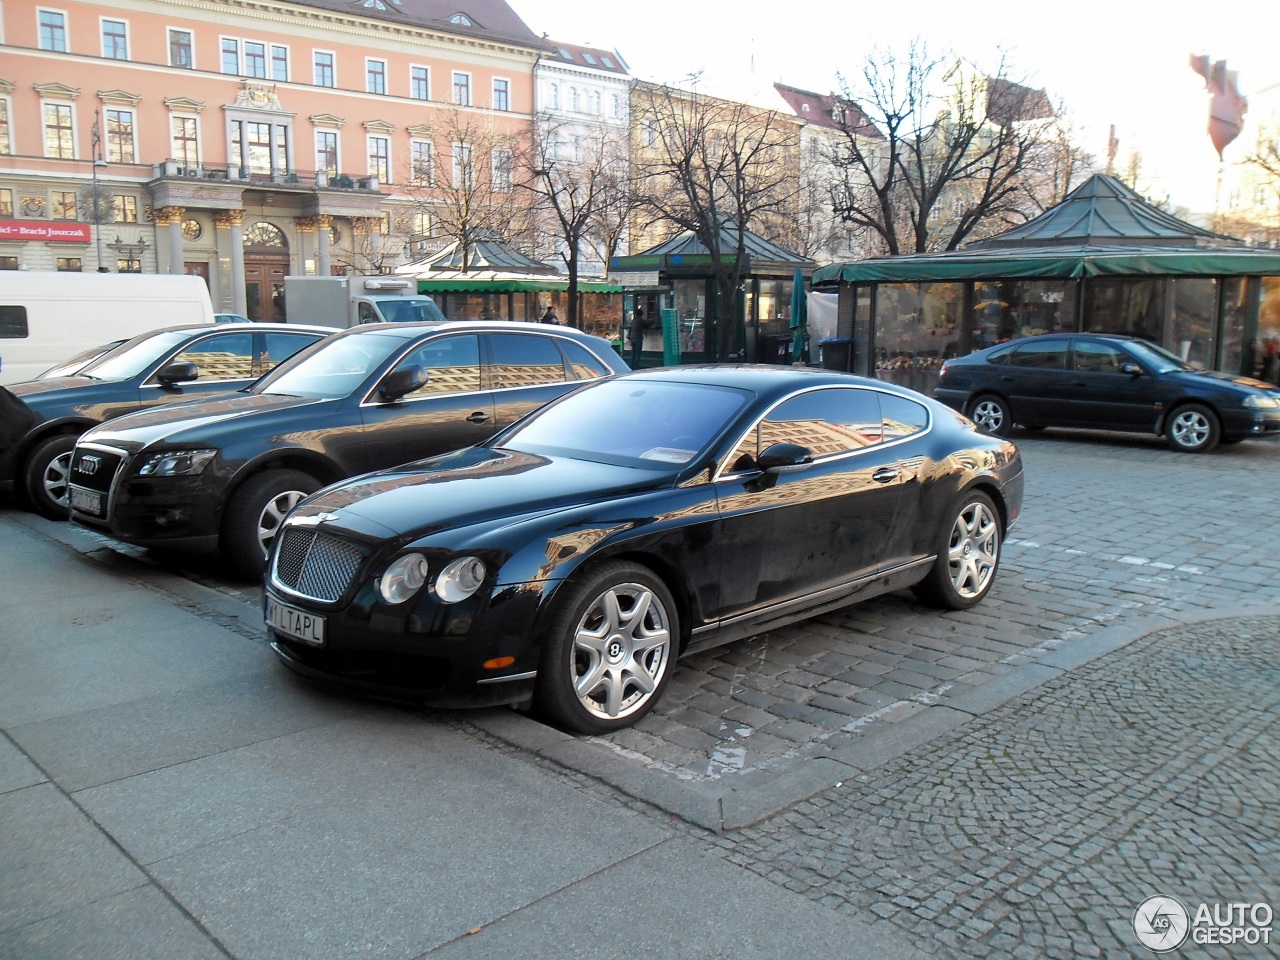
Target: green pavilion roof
column 685, row 252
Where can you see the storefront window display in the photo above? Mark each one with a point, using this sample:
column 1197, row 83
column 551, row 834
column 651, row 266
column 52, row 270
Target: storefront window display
column 916, row 329
column 1008, row 309
column 1134, row 305
column 1268, row 339
column 1191, row 328
column 691, row 310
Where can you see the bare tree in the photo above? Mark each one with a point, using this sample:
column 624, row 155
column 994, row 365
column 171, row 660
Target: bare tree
column 468, row 185
column 955, row 145
column 715, row 168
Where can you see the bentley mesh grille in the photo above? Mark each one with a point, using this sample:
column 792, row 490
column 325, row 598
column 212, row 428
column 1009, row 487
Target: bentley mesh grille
column 315, row 564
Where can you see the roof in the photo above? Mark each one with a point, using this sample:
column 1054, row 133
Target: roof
column 824, row 110
column 1054, row 262
column 687, row 250
column 593, row 57
column 1103, row 211
column 490, row 19
column 482, row 255
column 500, row 281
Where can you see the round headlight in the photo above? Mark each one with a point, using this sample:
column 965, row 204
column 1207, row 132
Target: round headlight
column 403, row 578
column 460, row 579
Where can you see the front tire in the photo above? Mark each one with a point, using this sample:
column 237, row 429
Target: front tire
column 968, row 555
column 610, row 651
column 990, row 414
column 1193, row 428
column 47, row 477
column 255, row 513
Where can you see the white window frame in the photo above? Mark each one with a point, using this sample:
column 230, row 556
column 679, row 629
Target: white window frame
column 430, row 180
column 266, row 59
column 7, row 100
column 337, row 154
column 453, row 88
column 493, row 93
column 597, row 103
column 185, row 115
column 133, row 130
column 462, row 160
column 554, row 96
column 271, row 62
column 427, row 68
column 168, row 39
column 385, row 79
column 66, row 29
column 222, row 38
column 385, row 138
column 75, row 128
column 334, row 55
column 102, row 36
column 505, row 183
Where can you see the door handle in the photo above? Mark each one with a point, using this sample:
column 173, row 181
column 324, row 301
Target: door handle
column 885, row 474
column 478, row 417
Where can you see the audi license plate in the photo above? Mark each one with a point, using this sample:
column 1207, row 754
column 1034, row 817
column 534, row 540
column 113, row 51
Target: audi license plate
column 86, row 501
column 295, row 623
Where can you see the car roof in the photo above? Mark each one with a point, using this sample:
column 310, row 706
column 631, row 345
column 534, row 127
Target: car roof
column 414, row 328
column 761, row 378
column 1089, row 335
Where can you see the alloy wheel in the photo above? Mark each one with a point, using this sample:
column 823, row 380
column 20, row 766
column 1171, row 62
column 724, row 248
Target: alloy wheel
column 1190, row 429
column 273, row 515
column 988, row 414
column 621, row 651
column 55, row 479
column 974, row 549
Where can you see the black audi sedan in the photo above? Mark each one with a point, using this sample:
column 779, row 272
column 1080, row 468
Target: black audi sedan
column 572, row 558
column 222, row 474
column 41, row 419
column 1106, row 381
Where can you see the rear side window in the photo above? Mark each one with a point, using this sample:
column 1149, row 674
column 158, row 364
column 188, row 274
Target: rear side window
column 1000, row 356
column 1042, row 354
column 282, row 346
column 523, row 360
column 901, row 417
column 584, row 364
column 13, row 322
column 826, row 422
column 1092, row 357
column 228, row 356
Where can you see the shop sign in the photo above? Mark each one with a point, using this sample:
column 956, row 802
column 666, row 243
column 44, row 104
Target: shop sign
column 59, row 232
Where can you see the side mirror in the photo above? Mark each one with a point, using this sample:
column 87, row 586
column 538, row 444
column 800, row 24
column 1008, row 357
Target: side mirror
column 1131, row 368
column 401, row 381
column 781, row 457
column 172, row 373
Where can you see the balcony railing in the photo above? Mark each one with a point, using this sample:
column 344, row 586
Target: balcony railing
column 297, row 179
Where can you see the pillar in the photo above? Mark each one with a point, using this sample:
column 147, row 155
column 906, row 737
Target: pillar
column 234, row 221
column 172, row 217
column 324, row 267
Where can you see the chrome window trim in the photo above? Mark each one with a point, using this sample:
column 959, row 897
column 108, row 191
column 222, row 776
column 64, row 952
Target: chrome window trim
column 147, row 381
column 722, row 471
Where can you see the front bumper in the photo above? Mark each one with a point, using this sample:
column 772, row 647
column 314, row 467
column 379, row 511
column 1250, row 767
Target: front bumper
column 1249, row 424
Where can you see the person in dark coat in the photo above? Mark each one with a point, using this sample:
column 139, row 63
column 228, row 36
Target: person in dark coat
column 549, row 316
column 635, row 333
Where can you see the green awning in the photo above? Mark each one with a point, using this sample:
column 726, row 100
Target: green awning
column 513, row 285
column 1053, row 263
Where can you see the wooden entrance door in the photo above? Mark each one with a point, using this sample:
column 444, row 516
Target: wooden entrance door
column 264, row 287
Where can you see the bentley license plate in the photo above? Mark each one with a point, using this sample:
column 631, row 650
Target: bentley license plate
column 295, row 623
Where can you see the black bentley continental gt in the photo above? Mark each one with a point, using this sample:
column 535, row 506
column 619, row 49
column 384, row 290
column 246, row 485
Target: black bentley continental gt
column 570, row 560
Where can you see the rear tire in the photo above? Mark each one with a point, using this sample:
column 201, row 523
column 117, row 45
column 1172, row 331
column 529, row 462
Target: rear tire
column 990, row 414
column 47, row 476
column 254, row 515
column 968, row 555
column 1193, row 428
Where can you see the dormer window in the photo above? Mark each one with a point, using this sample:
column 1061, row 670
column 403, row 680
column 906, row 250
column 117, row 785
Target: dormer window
column 462, row 20
column 381, row 4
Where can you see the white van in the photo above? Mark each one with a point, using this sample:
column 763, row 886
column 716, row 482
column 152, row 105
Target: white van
column 47, row 317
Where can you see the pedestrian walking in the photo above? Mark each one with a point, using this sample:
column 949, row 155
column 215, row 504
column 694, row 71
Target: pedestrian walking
column 635, row 333
column 549, row 316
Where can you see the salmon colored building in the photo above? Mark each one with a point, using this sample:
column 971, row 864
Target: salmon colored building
column 244, row 141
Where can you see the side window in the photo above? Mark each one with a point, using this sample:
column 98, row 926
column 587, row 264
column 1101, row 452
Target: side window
column 282, row 346
column 524, row 360
column 452, row 365
column 1097, row 357
column 827, row 422
column 228, row 356
column 1000, row 356
column 584, row 364
column 901, row 417
column 13, row 322
column 365, row 314
column 1042, row 354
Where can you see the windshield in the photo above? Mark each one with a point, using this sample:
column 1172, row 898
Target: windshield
column 1157, row 358
column 334, row 368
column 634, row 422
column 409, row 311
column 136, row 355
column 81, row 359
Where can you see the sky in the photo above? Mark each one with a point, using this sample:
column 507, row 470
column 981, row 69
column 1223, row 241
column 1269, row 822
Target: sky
column 1123, row 62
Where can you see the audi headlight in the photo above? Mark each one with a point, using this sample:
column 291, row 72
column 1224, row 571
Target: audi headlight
column 460, row 579
column 176, row 463
column 403, row 578
column 1260, row 402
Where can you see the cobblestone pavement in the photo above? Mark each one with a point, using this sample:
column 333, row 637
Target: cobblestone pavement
column 1036, row 830
column 1114, row 528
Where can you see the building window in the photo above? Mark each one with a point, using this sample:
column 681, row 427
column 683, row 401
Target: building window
column 327, row 152
column 53, row 31
column 575, row 103
column 6, row 203
column 59, row 138
column 125, row 209
column 462, row 88
column 462, row 173
column 502, row 95
column 69, row 265
column 120, row 136
column 6, row 144
column 420, row 83
column 64, row 205
column 380, row 159
column 186, row 143
column 555, row 96
column 615, row 103
column 279, row 63
column 230, row 56
column 129, row 266
column 422, row 161
column 503, row 165
column 375, row 72
column 180, row 49
column 255, row 59
column 421, row 224
column 595, row 102
column 324, row 68
column 115, row 40
column 384, row 223
column 10, row 263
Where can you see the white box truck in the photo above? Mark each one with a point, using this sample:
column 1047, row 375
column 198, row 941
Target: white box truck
column 47, row 317
column 347, row 301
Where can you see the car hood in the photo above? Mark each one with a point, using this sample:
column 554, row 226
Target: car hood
column 1233, row 379
column 466, row 487
column 198, row 417
column 36, row 392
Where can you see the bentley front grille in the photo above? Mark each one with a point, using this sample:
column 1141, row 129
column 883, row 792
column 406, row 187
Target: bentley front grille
column 313, row 564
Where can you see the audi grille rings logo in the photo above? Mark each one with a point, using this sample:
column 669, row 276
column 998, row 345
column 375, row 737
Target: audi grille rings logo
column 88, row 465
column 1161, row 923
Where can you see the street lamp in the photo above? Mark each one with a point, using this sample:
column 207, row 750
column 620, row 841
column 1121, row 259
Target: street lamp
column 97, row 214
column 128, row 250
